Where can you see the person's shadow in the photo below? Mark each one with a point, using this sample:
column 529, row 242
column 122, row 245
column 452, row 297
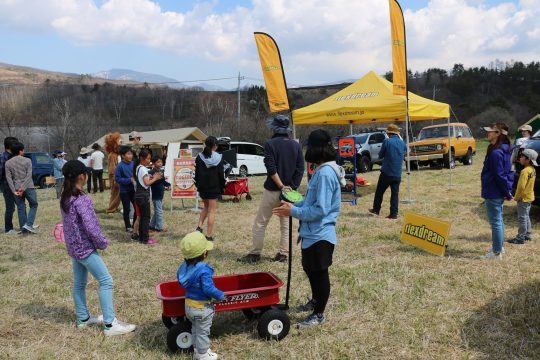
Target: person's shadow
column 508, row 327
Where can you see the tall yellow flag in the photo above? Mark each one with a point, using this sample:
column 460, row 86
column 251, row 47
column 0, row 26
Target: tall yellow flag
column 274, row 78
column 399, row 48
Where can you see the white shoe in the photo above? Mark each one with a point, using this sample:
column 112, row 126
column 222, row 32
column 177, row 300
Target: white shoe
column 29, row 229
column 491, row 256
column 35, row 227
column 208, row 355
column 12, row 232
column 91, row 321
column 118, row 328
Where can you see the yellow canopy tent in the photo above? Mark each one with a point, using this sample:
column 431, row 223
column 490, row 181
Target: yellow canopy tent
column 368, row 100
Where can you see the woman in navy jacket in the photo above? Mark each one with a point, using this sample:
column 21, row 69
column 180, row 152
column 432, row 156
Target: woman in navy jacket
column 497, row 178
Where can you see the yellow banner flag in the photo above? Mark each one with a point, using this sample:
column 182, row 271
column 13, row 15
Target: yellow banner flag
column 399, row 48
column 274, row 78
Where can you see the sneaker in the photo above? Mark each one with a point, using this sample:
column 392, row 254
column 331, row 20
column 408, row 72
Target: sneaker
column 516, row 240
column 135, row 237
column 392, row 217
column 118, row 328
column 210, row 238
column 208, row 355
column 151, row 242
column 280, row 257
column 491, row 256
column 311, row 320
column 527, row 238
column 129, row 230
column 199, row 229
column 309, row 306
column 250, row 258
column 29, row 229
column 373, row 212
column 12, row 232
column 90, row 321
column 35, row 227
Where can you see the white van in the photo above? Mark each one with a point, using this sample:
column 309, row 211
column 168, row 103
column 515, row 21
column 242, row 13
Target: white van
column 250, row 158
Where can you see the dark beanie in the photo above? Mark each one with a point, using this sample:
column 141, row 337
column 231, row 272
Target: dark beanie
column 319, row 137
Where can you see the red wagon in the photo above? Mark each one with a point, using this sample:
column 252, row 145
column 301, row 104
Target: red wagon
column 253, row 293
column 236, row 188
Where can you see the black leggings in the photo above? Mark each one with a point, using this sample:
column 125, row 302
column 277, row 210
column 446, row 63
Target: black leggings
column 128, row 198
column 320, row 288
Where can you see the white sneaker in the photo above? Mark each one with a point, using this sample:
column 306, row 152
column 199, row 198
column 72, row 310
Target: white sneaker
column 91, row 321
column 29, row 229
column 12, row 232
column 118, row 328
column 208, row 355
column 491, row 256
column 35, row 227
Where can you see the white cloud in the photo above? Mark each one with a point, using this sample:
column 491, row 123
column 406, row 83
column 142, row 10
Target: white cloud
column 320, row 40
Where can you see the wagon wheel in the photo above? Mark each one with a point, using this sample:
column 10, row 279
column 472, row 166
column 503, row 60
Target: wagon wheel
column 248, row 197
column 235, row 199
column 274, row 325
column 254, row 313
column 179, row 337
column 170, row 321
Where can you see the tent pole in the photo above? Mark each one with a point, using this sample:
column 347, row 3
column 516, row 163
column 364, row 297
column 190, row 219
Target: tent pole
column 350, row 126
column 450, row 159
column 409, row 199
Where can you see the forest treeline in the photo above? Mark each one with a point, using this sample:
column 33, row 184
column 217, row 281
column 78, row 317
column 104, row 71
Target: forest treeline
column 71, row 115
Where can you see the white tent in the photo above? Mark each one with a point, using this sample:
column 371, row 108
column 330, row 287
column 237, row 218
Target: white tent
column 164, row 137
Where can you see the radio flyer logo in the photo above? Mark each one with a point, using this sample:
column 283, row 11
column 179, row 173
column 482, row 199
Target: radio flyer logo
column 239, row 298
column 425, row 233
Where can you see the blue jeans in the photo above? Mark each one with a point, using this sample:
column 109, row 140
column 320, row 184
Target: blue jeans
column 524, row 220
column 31, row 196
column 9, row 200
column 157, row 218
column 494, row 209
column 95, row 265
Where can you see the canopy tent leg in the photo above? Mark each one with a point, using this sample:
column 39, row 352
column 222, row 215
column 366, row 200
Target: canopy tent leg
column 409, row 199
column 450, row 159
column 351, row 128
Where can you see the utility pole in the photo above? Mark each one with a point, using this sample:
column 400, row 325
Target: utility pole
column 238, row 105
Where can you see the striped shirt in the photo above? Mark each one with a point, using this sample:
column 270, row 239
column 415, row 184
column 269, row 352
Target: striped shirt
column 19, row 173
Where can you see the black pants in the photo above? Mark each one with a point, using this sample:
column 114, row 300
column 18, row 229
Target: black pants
column 316, row 260
column 143, row 202
column 320, row 289
column 89, row 181
column 97, row 176
column 128, row 198
column 383, row 184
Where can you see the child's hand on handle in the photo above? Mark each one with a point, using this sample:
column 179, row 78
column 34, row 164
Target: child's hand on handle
column 284, row 210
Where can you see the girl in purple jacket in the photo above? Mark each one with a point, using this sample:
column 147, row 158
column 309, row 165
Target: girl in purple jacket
column 83, row 237
column 497, row 178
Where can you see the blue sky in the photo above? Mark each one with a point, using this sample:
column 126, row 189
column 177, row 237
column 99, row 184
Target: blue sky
column 320, row 41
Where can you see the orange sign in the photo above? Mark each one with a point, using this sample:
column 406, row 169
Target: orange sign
column 346, row 147
column 183, row 183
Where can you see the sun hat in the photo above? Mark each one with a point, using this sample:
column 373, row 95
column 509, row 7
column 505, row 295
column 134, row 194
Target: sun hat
column 279, row 124
column 494, row 128
column 319, row 137
column 59, row 152
column 526, row 128
column 194, row 245
column 393, row 129
column 134, row 135
column 84, row 150
column 531, row 155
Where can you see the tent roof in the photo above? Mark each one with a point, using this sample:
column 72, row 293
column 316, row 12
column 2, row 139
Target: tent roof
column 369, row 100
column 163, row 137
column 534, row 122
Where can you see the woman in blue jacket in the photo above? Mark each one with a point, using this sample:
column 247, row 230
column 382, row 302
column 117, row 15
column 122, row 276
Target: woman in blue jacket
column 318, row 214
column 497, row 178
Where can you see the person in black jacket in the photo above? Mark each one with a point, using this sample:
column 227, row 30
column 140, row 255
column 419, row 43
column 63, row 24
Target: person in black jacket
column 210, row 182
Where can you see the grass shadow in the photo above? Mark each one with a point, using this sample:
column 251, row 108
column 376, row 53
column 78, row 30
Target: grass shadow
column 40, row 311
column 508, row 327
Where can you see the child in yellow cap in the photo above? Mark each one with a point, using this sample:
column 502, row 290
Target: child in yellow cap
column 195, row 276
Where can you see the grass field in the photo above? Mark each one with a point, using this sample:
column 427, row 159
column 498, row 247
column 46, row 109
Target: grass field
column 388, row 299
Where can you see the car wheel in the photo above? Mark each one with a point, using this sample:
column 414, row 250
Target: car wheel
column 365, row 164
column 243, row 171
column 468, row 159
column 450, row 161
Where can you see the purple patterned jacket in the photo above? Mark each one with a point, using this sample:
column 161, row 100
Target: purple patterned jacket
column 81, row 228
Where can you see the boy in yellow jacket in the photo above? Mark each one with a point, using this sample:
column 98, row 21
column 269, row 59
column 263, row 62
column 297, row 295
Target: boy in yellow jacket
column 525, row 195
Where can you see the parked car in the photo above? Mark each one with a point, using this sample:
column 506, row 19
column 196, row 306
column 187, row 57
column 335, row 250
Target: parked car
column 42, row 167
column 532, row 143
column 249, row 156
column 432, row 147
column 368, row 146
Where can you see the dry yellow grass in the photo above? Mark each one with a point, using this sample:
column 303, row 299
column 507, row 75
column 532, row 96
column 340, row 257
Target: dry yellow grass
column 388, row 300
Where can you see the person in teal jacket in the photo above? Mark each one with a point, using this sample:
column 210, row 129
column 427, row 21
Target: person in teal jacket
column 318, row 214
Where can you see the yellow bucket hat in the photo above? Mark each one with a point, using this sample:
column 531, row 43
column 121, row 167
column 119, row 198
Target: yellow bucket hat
column 194, row 245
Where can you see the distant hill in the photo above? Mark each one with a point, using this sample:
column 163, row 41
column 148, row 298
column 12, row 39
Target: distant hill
column 131, row 75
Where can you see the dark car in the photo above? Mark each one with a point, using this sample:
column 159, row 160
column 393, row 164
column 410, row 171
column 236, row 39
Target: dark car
column 532, row 143
column 42, row 166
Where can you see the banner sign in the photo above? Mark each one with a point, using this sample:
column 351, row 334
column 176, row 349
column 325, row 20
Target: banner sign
column 272, row 68
column 399, row 48
column 346, row 147
column 185, row 154
column 426, row 233
column 183, row 183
